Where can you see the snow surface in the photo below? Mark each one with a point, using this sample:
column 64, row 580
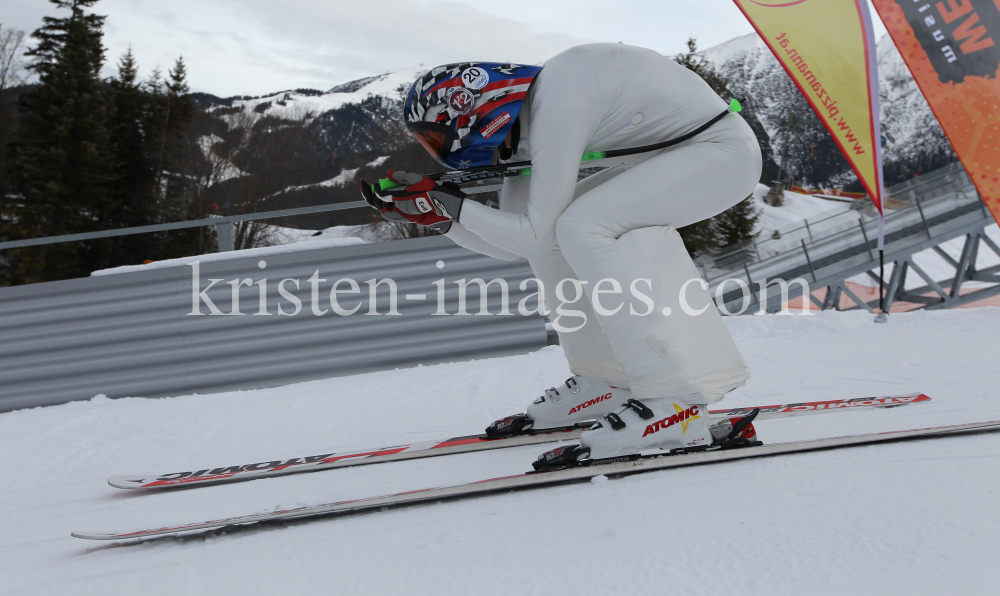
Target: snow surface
column 262, row 252
column 918, row 517
column 367, row 233
column 794, row 210
column 224, row 169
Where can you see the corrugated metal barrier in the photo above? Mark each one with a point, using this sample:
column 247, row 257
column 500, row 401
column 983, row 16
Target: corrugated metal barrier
column 133, row 334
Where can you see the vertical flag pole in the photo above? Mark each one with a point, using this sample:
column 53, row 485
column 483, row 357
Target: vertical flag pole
column 882, row 316
column 877, row 144
column 845, row 66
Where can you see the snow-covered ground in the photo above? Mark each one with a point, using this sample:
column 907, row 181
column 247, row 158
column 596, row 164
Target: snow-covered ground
column 794, row 210
column 909, row 518
column 263, row 252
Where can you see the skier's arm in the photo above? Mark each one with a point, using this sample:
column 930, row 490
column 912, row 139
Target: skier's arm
column 513, row 198
column 558, row 139
column 462, row 237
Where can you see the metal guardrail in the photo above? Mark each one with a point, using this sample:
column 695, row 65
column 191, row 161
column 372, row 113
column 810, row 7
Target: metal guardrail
column 131, row 334
column 223, row 224
column 942, row 182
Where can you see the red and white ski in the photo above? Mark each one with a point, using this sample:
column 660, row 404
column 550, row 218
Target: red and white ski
column 611, row 467
column 326, row 461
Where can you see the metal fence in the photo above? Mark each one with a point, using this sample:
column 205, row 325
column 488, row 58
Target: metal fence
column 132, row 334
column 941, row 206
column 944, row 183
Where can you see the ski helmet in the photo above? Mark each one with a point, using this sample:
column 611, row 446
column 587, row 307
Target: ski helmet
column 461, row 112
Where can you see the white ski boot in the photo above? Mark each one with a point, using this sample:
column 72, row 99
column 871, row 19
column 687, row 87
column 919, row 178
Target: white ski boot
column 637, row 428
column 577, row 400
column 650, row 424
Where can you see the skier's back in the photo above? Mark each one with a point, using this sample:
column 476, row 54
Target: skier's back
column 647, row 349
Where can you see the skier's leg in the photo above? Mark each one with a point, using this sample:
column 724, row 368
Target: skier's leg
column 587, row 349
column 676, row 352
column 598, row 384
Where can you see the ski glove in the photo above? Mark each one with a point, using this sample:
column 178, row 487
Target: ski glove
column 418, row 200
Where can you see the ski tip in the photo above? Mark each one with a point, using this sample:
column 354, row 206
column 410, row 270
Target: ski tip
column 93, row 536
column 127, row 482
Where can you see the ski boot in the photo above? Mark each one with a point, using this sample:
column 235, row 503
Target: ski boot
column 654, row 424
column 650, row 424
column 577, row 400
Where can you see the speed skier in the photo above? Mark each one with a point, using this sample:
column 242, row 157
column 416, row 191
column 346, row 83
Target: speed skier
column 648, row 350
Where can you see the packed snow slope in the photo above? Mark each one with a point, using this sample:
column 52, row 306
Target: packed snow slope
column 918, row 517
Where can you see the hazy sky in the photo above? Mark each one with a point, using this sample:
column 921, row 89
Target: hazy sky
column 252, row 47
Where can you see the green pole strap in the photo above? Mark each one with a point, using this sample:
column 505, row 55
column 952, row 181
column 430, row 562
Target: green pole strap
column 734, row 106
column 387, row 184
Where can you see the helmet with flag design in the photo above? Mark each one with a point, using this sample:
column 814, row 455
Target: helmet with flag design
column 462, row 112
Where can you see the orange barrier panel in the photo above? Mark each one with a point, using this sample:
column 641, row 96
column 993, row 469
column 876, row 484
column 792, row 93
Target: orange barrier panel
column 952, row 49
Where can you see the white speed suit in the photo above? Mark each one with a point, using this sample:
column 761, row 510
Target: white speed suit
column 620, row 225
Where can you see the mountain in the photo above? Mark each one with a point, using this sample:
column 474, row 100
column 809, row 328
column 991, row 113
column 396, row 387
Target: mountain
column 330, row 140
column 916, row 141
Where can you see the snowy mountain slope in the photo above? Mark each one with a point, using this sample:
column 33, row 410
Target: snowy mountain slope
column 916, row 136
column 908, row 518
column 326, row 141
column 917, row 142
column 296, row 105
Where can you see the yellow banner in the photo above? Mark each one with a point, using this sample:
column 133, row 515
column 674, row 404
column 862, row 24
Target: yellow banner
column 828, row 48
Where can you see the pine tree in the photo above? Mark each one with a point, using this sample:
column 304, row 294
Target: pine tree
column 177, row 110
column 178, row 162
column 65, row 163
column 134, row 189
column 695, row 63
column 736, row 224
column 699, row 237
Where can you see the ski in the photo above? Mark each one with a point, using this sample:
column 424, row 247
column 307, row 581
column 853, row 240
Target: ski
column 619, row 466
column 466, row 444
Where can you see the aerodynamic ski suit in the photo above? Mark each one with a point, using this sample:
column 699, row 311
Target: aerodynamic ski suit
column 621, row 223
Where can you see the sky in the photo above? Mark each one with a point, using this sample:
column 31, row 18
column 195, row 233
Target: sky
column 254, row 47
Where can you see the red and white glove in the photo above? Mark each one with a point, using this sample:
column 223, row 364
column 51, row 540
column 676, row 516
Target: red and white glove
column 417, row 199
